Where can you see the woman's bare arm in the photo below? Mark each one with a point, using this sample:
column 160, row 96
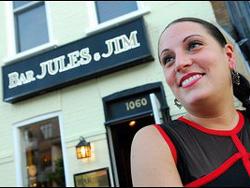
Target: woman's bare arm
column 152, row 163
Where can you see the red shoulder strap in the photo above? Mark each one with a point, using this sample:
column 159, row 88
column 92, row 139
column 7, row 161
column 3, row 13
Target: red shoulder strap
column 168, row 141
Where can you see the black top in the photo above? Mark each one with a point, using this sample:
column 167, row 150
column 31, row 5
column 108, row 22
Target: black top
column 208, row 157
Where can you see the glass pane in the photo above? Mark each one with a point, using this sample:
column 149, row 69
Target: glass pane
column 31, row 28
column 17, row 4
column 107, row 10
column 43, row 154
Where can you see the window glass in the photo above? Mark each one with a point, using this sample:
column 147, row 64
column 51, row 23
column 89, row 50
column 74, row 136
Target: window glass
column 107, row 10
column 18, row 4
column 234, row 16
column 43, row 159
column 31, row 27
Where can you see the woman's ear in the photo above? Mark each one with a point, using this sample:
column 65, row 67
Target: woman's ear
column 230, row 56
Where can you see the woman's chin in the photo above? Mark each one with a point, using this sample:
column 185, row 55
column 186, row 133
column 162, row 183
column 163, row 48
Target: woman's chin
column 196, row 100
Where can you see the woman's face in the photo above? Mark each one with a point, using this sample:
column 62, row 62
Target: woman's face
column 196, row 67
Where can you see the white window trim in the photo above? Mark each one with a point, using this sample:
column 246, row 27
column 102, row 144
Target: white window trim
column 12, row 54
column 18, row 147
column 95, row 27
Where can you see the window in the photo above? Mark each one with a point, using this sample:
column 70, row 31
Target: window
column 239, row 13
column 42, row 157
column 107, row 10
column 31, row 28
column 234, row 16
column 106, row 14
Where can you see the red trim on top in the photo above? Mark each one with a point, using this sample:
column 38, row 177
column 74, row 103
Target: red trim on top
column 216, row 173
column 243, row 152
column 235, row 130
column 239, row 145
column 169, row 142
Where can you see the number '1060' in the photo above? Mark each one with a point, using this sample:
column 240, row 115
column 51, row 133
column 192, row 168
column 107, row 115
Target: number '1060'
column 137, row 103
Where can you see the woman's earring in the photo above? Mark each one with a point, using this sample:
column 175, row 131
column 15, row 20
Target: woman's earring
column 235, row 77
column 177, row 103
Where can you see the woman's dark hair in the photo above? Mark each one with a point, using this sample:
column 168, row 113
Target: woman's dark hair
column 241, row 91
column 212, row 29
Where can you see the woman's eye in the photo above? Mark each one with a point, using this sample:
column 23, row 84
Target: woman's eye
column 194, row 45
column 168, row 60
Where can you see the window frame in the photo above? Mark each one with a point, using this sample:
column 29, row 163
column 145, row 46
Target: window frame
column 12, row 54
column 95, row 27
column 17, row 139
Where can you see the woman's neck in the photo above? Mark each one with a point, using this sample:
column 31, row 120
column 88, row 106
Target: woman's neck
column 217, row 120
column 217, row 112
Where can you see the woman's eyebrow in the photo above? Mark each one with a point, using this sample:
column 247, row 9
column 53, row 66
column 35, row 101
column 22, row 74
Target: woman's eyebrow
column 186, row 38
column 165, row 50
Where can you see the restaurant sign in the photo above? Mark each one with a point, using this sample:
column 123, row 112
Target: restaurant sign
column 123, row 46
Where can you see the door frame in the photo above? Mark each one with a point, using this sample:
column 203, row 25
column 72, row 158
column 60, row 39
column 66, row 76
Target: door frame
column 147, row 89
column 18, row 145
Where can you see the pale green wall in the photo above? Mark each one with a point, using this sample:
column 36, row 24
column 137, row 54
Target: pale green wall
column 81, row 104
column 7, row 168
column 70, row 19
column 3, row 32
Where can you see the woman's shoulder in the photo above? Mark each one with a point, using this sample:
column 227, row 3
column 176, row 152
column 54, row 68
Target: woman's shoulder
column 146, row 132
column 148, row 144
column 155, row 130
column 150, row 136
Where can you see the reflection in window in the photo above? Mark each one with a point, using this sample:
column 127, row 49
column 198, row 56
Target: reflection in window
column 43, row 153
column 30, row 24
column 107, row 10
column 17, row 4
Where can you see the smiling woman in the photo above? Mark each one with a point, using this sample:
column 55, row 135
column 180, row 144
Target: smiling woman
column 207, row 145
column 195, row 54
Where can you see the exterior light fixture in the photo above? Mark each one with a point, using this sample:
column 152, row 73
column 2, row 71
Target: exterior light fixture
column 83, row 149
column 132, row 123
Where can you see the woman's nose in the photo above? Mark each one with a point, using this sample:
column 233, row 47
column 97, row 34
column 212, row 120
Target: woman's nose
column 182, row 62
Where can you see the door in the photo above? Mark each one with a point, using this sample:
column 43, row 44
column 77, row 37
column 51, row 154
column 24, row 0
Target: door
column 121, row 136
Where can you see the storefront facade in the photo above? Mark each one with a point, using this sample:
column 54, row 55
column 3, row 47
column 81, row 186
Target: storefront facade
column 80, row 72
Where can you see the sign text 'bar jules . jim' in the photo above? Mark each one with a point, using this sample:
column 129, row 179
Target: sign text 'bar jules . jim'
column 99, row 54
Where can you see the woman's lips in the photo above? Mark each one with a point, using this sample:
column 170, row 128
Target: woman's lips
column 190, row 79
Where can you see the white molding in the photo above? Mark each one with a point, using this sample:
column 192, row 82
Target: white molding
column 64, row 152
column 94, row 27
column 51, row 36
column 18, row 148
column 12, row 54
column 10, row 28
column 113, row 166
column 92, row 16
column 18, row 156
column 29, row 53
column 141, row 5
